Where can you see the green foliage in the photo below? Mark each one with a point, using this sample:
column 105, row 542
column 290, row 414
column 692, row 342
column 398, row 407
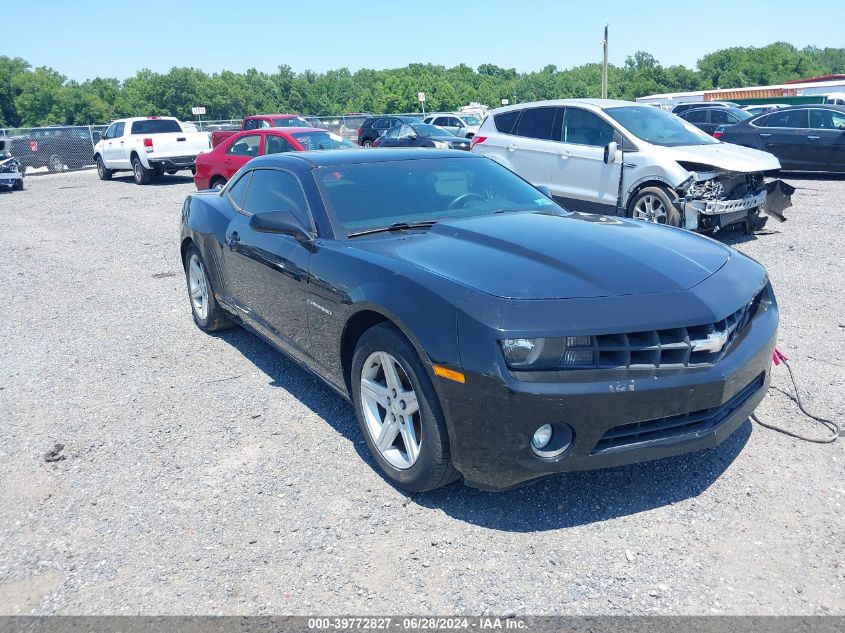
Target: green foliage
column 38, row 96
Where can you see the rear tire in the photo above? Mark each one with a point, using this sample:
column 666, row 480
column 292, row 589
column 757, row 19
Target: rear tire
column 141, row 174
column 207, row 313
column 55, row 163
column 367, row 143
column 18, row 185
column 102, row 172
column 428, row 464
column 654, row 204
column 218, row 182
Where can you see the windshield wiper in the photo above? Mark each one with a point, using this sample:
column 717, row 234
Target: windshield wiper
column 396, row 226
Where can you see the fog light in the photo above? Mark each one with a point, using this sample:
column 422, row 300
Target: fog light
column 542, row 437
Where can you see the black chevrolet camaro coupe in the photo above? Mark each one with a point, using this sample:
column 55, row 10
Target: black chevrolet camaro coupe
column 479, row 329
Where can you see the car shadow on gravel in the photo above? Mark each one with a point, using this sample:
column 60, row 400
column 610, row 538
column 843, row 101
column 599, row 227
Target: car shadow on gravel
column 301, row 384
column 563, row 500
column 572, row 499
column 155, row 181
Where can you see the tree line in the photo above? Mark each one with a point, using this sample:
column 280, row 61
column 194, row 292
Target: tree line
column 42, row 96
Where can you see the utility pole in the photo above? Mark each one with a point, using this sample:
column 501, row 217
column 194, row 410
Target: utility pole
column 604, row 66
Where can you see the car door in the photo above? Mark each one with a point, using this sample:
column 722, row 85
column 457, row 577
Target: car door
column 783, row 133
column 582, row 180
column 391, row 137
column 276, row 144
column 267, row 273
column 116, row 150
column 825, row 147
column 240, row 151
column 530, row 151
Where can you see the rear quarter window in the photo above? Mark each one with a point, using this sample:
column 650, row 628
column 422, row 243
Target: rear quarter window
column 506, row 121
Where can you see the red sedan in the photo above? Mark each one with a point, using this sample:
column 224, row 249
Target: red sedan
column 216, row 167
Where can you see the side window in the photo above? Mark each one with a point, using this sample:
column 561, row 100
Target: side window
column 441, row 120
column 110, row 132
column 695, row 116
column 393, row 132
column 245, row 146
column 277, row 145
column 827, row 120
column 721, row 117
column 237, row 191
column 506, row 121
column 379, row 124
column 537, row 123
column 273, row 190
column 252, row 124
column 118, row 129
column 788, row 118
column 761, row 121
column 585, row 128
column 453, row 122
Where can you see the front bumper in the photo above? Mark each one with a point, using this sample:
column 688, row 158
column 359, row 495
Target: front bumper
column 8, row 179
column 711, row 213
column 493, row 416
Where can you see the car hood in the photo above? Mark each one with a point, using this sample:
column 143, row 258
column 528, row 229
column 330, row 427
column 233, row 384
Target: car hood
column 549, row 256
column 724, row 156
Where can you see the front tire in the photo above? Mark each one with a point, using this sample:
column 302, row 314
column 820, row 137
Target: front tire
column 141, row 174
column 398, row 411
column 218, row 182
column 367, row 143
column 207, row 313
column 654, row 204
column 102, row 172
column 18, row 185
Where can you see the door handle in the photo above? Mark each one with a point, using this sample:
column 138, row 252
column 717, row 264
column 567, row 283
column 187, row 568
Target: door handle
column 511, row 147
column 564, row 155
column 764, row 135
column 121, row 142
column 233, row 238
column 812, row 138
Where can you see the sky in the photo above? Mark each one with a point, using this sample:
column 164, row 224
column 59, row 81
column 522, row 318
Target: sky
column 87, row 39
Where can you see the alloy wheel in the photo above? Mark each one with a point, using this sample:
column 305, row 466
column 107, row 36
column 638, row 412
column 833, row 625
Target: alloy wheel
column 139, row 171
column 391, row 410
column 650, row 208
column 56, row 163
column 198, row 287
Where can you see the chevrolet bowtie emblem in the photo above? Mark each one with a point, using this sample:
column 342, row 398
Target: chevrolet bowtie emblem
column 714, row 342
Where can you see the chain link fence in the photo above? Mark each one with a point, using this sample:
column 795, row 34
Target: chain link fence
column 58, row 148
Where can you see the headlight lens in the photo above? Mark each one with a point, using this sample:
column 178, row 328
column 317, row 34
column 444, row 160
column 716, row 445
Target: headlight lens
column 537, row 354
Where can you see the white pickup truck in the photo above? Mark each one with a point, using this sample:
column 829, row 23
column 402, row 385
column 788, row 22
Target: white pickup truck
column 148, row 146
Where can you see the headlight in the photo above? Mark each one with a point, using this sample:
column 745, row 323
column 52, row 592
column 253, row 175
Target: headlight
column 441, row 144
column 537, row 354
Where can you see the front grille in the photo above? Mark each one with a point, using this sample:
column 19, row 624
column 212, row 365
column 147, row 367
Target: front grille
column 666, row 349
column 676, row 425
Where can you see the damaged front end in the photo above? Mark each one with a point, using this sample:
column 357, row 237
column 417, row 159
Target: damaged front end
column 713, row 198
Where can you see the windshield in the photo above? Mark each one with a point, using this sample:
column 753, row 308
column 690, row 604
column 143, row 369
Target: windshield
column 431, row 130
column 321, row 140
column 656, row 126
column 156, row 126
column 470, row 120
column 739, row 113
column 373, row 195
column 292, row 121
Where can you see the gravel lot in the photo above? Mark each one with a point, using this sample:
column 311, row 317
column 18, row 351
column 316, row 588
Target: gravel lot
column 211, row 475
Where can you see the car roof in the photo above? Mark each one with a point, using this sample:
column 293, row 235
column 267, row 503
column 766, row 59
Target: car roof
column 338, row 157
column 276, row 116
column 594, row 104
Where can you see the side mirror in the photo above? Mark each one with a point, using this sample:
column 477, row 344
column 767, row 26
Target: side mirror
column 96, row 137
column 544, row 190
column 282, row 222
column 610, row 153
